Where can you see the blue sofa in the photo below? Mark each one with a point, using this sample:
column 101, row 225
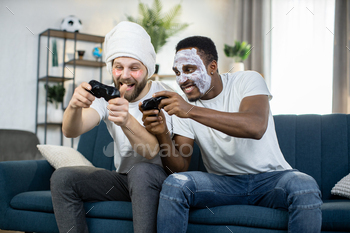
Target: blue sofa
column 315, row 144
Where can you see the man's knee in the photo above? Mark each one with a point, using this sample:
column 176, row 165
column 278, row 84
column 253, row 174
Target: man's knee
column 298, row 183
column 178, row 187
column 63, row 177
column 303, row 191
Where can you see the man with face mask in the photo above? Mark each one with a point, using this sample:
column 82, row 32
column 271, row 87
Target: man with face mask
column 229, row 118
column 130, row 59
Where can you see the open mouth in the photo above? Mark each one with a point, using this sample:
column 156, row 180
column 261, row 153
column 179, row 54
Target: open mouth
column 130, row 86
column 188, row 88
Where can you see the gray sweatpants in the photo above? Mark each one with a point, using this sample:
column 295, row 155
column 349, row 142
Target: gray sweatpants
column 71, row 186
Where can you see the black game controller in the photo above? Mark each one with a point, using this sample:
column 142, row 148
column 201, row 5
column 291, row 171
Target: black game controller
column 152, row 103
column 100, row 90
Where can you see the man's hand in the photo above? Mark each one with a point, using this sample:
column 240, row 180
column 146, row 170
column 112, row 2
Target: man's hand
column 154, row 121
column 119, row 108
column 79, row 118
column 81, row 97
column 174, row 104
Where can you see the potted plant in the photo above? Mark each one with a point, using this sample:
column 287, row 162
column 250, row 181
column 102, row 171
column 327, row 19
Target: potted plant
column 55, row 96
column 160, row 26
column 240, row 51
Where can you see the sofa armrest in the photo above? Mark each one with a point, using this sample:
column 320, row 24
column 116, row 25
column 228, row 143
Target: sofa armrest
column 22, row 176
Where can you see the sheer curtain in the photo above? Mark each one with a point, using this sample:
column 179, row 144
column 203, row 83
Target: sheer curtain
column 302, row 33
column 249, row 21
column 341, row 71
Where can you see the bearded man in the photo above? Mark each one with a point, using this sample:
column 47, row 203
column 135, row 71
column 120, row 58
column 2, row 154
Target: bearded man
column 130, row 58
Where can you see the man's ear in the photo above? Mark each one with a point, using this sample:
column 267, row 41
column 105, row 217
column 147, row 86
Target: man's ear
column 213, row 66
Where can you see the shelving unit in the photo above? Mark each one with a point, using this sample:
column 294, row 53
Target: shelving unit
column 68, row 66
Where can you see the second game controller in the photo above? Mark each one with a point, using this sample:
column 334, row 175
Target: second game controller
column 100, row 90
column 152, row 103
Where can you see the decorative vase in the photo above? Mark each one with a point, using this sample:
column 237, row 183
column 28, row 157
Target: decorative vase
column 54, row 115
column 81, row 54
column 237, row 66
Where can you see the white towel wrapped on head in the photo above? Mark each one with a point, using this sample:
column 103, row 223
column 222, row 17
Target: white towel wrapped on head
column 129, row 39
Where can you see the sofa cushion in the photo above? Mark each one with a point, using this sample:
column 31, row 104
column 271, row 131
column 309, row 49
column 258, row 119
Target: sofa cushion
column 41, row 201
column 336, row 215
column 34, row 200
column 63, row 156
column 342, row 188
column 223, row 215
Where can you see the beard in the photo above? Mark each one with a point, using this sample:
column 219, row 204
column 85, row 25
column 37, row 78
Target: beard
column 138, row 88
column 194, row 99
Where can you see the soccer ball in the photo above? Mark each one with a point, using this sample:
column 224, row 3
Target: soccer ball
column 71, row 24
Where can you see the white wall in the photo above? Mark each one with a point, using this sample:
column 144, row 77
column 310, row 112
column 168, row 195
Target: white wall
column 20, row 19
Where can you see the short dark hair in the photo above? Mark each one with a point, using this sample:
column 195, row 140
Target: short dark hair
column 206, row 47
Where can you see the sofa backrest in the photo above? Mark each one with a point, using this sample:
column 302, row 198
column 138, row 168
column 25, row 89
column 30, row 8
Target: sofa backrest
column 315, row 144
column 97, row 146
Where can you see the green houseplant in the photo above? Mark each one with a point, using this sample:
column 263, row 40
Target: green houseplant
column 239, row 52
column 160, row 26
column 55, row 93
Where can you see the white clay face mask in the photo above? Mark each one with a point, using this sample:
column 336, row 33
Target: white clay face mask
column 200, row 77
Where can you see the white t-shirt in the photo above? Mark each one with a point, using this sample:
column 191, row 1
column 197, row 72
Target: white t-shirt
column 226, row 155
column 124, row 155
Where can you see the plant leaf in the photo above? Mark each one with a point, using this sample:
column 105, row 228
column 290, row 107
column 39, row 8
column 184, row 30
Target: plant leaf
column 240, row 51
column 159, row 27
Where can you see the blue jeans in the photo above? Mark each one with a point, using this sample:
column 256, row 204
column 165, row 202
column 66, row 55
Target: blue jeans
column 289, row 190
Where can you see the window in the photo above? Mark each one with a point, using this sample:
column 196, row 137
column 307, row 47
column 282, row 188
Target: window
column 302, row 56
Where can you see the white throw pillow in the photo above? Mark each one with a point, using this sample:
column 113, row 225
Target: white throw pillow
column 342, row 188
column 62, row 156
